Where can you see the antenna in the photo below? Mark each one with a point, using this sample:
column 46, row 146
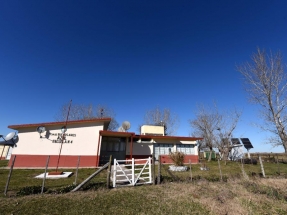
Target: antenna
column 126, row 125
column 63, row 129
column 102, row 112
column 41, row 129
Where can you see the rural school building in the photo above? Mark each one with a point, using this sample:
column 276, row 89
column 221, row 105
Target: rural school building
column 91, row 140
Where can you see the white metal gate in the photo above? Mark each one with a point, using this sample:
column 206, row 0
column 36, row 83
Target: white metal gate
column 131, row 173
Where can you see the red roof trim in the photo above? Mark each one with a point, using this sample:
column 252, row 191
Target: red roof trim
column 171, row 137
column 129, row 134
column 116, row 133
column 60, row 123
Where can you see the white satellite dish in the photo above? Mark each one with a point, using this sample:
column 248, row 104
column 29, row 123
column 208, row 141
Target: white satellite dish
column 10, row 140
column 40, row 130
column 126, row 125
column 10, row 136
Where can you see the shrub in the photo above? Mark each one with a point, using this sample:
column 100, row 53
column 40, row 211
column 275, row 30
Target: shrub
column 29, row 190
column 177, row 158
column 212, row 178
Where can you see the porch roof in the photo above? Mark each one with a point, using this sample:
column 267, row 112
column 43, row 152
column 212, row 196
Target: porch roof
column 155, row 137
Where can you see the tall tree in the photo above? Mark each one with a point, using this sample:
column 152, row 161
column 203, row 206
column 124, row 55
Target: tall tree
column 266, row 84
column 82, row 111
column 215, row 127
column 165, row 117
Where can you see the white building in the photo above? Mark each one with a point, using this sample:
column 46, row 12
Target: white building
column 90, row 140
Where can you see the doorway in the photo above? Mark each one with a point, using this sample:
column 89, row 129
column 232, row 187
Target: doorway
column 114, row 146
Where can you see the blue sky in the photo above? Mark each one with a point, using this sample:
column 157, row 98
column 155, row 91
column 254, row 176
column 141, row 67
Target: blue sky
column 133, row 56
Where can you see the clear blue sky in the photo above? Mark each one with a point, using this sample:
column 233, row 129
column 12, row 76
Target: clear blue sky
column 133, row 56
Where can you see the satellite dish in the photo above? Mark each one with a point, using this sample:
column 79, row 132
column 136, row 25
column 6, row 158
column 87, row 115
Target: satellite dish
column 10, row 140
column 63, row 129
column 121, row 129
column 10, row 136
column 126, row 125
column 40, row 130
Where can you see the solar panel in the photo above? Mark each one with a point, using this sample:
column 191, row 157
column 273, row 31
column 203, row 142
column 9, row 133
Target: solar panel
column 235, row 141
column 246, row 142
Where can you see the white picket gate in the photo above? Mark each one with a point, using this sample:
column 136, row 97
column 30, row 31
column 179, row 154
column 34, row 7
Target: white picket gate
column 131, row 173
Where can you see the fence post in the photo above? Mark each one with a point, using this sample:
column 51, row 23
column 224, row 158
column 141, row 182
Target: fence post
column 109, row 172
column 149, row 169
column 278, row 169
column 190, row 170
column 133, row 171
column 153, row 164
column 262, row 167
column 219, row 169
column 159, row 169
column 44, row 179
column 115, row 173
column 76, row 177
column 9, row 176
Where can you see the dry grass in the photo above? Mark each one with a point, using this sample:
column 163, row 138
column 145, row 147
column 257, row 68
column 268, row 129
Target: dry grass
column 236, row 196
column 170, row 198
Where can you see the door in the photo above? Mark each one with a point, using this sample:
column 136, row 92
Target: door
column 112, row 146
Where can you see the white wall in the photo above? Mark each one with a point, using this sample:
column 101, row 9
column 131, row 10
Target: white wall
column 84, row 143
column 143, row 148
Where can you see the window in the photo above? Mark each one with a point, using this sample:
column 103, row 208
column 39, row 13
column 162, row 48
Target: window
column 187, row 149
column 162, row 149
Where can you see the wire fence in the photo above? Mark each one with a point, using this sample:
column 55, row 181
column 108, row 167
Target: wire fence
column 15, row 182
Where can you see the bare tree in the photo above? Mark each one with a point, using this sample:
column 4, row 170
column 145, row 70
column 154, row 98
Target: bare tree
column 266, row 84
column 205, row 124
column 225, row 132
column 165, row 117
column 215, row 127
column 82, row 111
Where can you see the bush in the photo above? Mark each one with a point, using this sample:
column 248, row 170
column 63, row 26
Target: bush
column 177, row 158
column 29, row 190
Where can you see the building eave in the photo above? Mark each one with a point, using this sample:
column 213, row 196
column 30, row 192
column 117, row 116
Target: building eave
column 105, row 121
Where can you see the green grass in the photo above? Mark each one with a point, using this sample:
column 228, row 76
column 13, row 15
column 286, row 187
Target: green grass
column 231, row 170
column 4, row 163
column 26, row 177
column 197, row 197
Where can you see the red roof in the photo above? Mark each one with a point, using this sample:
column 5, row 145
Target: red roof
column 129, row 134
column 104, row 120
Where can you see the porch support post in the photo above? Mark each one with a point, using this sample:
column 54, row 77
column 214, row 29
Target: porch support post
column 98, row 150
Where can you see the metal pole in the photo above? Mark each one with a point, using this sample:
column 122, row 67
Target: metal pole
column 2, row 152
column 9, row 176
column 76, row 177
column 44, row 179
column 63, row 136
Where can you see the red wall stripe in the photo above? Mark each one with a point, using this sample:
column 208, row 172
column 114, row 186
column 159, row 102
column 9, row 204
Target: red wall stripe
column 65, row 161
